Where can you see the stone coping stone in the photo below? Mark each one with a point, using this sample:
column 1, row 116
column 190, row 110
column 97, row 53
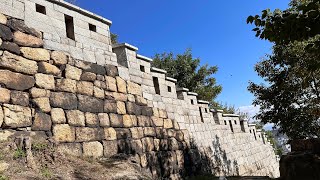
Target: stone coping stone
column 182, row 89
column 81, row 11
column 125, row 45
column 251, row 125
column 171, row 79
column 192, row 94
column 144, row 58
column 153, row 69
column 230, row 115
column 202, row 102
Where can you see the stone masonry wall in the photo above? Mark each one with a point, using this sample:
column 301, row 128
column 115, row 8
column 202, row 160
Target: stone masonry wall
column 110, row 100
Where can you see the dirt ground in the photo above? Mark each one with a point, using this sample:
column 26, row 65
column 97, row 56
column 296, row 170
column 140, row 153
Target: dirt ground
column 47, row 163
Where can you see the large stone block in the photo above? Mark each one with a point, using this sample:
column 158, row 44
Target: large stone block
column 19, row 25
column 16, row 81
column 127, row 121
column 3, row 19
column 122, row 85
column 62, row 100
column 73, row 72
column 167, row 124
column 92, row 149
column 84, row 87
column 73, row 149
column 90, row 104
column 11, row 47
column 133, row 108
column 141, row 101
column 149, row 132
column 88, row 76
column 116, row 120
column 47, row 68
column 37, row 54
column 112, row 70
column 17, row 116
column 43, row 104
column 158, row 122
column 148, row 144
column 42, row 122
column 146, row 111
column 90, row 67
column 45, row 81
column 121, row 107
column 110, row 134
column 110, row 148
column 23, row 39
column 5, row 33
column 18, row 63
column 59, row 58
column 67, row 85
column 87, row 134
column 63, row 133
column 104, row 120
column 144, row 121
column 124, row 146
column 19, row 98
column 4, row 95
column 137, row 146
column 92, row 120
column 111, row 84
column 38, row 93
column 110, row 106
column 76, row 118
column 58, row 116
column 98, row 93
column 137, row 132
column 134, row 88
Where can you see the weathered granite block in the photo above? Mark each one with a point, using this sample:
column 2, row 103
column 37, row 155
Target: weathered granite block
column 16, row 81
column 76, row 118
column 19, row 98
column 84, row 134
column 17, row 116
column 18, row 63
column 110, row 148
column 93, row 149
column 62, row 100
column 90, row 104
column 41, row 122
column 63, row 133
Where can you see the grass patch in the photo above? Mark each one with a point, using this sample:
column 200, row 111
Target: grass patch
column 39, row 146
column 46, row 173
column 3, row 177
column 19, row 153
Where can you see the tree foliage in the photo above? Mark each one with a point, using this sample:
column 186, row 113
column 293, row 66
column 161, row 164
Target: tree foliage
column 114, row 38
column 190, row 74
column 291, row 97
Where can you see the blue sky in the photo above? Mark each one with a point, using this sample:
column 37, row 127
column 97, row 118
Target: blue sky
column 215, row 30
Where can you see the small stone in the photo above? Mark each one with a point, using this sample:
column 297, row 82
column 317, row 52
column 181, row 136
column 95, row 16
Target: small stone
column 111, row 84
column 119, row 96
column 5, row 33
column 45, row 81
column 58, row 116
column 90, row 104
column 76, row 118
column 3, row 165
column 100, row 77
column 137, row 133
column 149, row 131
column 19, row 25
column 141, row 101
column 127, row 121
column 3, row 19
column 134, row 88
column 12, row 47
column 143, row 160
column 87, row 134
column 73, row 149
column 4, row 95
column 63, row 133
column 104, row 119
column 88, row 76
column 73, row 72
column 20, row 98
column 43, row 104
column 116, row 120
column 59, row 58
column 163, row 113
column 100, row 84
column 62, row 100
column 37, row 54
column 42, row 122
column 110, row 134
column 15, row 80
column 98, row 93
column 122, row 85
column 18, row 63
column 112, row 70
column 110, row 106
column 110, row 148
column 91, row 119
column 37, row 93
column 23, row 39
column 121, row 107
column 47, row 68
column 17, row 116
column 93, row 149
column 84, row 87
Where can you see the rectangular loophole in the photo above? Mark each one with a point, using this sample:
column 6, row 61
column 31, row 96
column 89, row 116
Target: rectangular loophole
column 202, row 120
column 192, row 102
column 231, row 128
column 41, row 9
column 169, row 89
column 242, row 126
column 156, row 85
column 69, row 27
column 142, row 68
column 92, row 28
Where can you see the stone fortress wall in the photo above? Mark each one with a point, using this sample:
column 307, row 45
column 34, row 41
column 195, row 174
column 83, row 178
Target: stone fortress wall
column 100, row 100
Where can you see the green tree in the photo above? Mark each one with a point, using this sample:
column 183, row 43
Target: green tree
column 114, row 38
column 190, row 74
column 291, row 97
